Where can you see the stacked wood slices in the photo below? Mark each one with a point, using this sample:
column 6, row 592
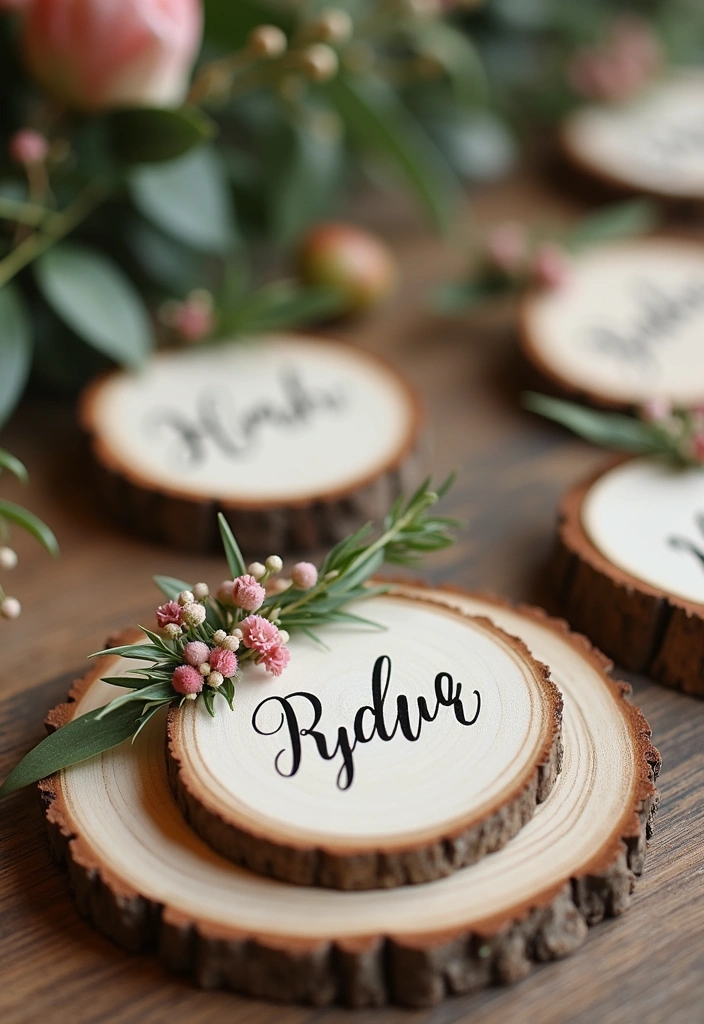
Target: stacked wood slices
column 417, row 810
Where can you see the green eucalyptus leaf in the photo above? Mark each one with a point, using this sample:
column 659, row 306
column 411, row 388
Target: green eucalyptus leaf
column 95, row 299
column 305, row 170
column 188, row 198
column 170, row 586
column 30, row 523
column 233, row 554
column 282, row 304
column 76, row 741
column 154, row 134
column 13, row 465
column 612, row 430
column 619, row 221
column 169, row 263
column 15, row 350
column 378, row 121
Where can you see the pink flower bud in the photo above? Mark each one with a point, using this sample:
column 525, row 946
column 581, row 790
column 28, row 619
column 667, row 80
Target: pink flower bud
column 193, row 319
column 187, row 679
column 259, row 633
column 276, row 659
column 698, row 447
column 196, row 652
column 225, row 592
column 304, row 575
column 656, row 410
column 98, row 54
column 551, row 266
column 247, row 593
column 224, row 662
column 28, row 147
column 10, row 608
column 507, row 247
column 169, row 612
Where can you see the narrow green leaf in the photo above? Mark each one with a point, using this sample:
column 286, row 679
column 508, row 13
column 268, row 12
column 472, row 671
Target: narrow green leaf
column 157, row 641
column 612, row 430
column 31, row 523
column 188, row 198
column 148, row 135
column 233, row 554
column 142, row 652
column 619, row 221
column 147, row 714
column 170, row 586
column 452, row 49
column 128, row 682
column 76, row 741
column 15, row 350
column 209, row 700
column 154, row 691
column 96, row 300
column 306, row 166
column 13, row 465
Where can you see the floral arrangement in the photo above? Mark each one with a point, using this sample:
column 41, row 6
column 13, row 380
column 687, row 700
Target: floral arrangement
column 205, row 641
column 657, row 429
column 146, row 144
column 512, row 257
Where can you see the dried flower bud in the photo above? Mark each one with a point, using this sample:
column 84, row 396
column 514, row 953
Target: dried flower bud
column 172, row 630
column 216, row 679
column 201, row 591
column 28, row 147
column 267, row 41
column 10, row 608
column 231, row 643
column 186, row 597
column 256, row 569
column 333, row 25
column 319, row 62
column 204, row 669
column 193, row 614
column 284, row 636
column 304, row 575
column 190, row 696
column 225, row 591
column 237, row 633
column 218, row 636
column 8, row 558
column 274, row 563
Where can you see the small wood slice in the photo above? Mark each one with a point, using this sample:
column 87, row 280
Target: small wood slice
column 297, row 440
column 625, row 327
column 630, row 567
column 652, row 145
column 145, row 879
column 345, row 772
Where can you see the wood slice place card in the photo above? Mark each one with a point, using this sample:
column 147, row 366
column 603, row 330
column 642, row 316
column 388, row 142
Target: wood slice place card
column 654, row 144
column 147, row 880
column 297, row 440
column 626, row 326
column 630, row 567
column 394, row 757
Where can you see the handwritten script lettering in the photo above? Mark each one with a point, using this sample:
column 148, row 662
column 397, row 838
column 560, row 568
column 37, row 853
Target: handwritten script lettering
column 658, row 315
column 685, row 544
column 300, row 715
column 671, row 143
column 231, row 425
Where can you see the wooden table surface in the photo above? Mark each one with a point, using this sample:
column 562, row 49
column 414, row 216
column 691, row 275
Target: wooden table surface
column 647, row 966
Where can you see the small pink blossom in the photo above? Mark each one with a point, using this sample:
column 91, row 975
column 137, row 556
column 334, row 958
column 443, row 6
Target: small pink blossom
column 247, row 593
column 224, row 662
column 169, row 612
column 225, row 591
column 551, row 266
column 507, row 247
column 276, row 659
column 193, row 319
column 28, row 147
column 259, row 634
column 196, row 653
column 656, row 410
column 187, row 679
column 698, row 447
column 304, row 575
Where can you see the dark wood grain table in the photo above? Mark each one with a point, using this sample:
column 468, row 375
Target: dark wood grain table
column 647, row 966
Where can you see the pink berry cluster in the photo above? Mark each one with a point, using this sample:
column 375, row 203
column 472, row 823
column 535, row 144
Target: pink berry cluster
column 508, row 251
column 626, row 61
column 209, row 653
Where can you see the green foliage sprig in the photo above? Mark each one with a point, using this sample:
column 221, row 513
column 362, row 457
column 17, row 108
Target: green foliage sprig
column 194, row 655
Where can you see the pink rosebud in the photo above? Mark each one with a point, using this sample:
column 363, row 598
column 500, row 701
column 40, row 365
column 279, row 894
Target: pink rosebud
column 194, row 318
column 247, row 593
column 28, row 147
column 551, row 266
column 225, row 591
column 169, row 612
column 304, row 575
column 258, row 633
column 98, row 54
column 224, row 662
column 276, row 659
column 507, row 247
column 196, row 653
column 656, row 410
column 187, row 679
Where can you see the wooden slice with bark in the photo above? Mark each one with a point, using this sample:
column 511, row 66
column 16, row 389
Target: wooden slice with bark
column 630, row 567
column 297, row 440
column 390, row 758
column 653, row 144
column 625, row 327
column 145, row 879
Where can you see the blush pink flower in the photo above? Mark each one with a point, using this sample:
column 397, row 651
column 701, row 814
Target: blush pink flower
column 698, row 447
column 247, row 593
column 304, row 575
column 224, row 662
column 187, row 679
column 259, row 634
column 551, row 266
column 169, row 612
column 28, row 147
column 276, row 659
column 225, row 590
column 196, row 653
column 656, row 410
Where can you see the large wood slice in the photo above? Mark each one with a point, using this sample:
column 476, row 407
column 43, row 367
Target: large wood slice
column 145, row 879
column 626, row 326
column 389, row 759
column 297, row 440
column 630, row 567
column 654, row 144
